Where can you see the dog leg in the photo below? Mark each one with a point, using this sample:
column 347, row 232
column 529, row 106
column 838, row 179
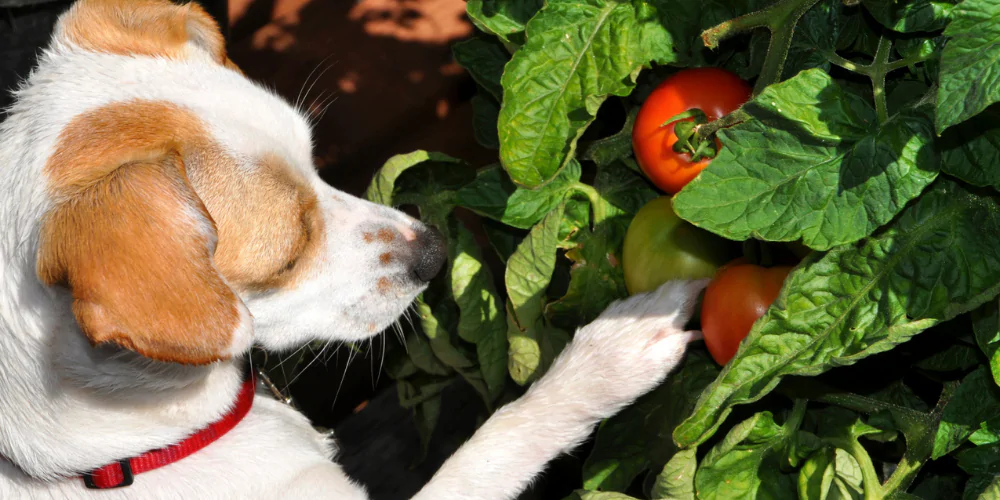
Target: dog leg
column 623, row 354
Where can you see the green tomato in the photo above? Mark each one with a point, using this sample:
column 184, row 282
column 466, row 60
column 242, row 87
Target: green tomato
column 660, row 247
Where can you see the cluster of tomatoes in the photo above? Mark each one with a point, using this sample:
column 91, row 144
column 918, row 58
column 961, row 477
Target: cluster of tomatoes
column 659, row 246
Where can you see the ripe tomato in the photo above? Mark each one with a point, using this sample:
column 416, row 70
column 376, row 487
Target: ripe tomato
column 659, row 247
column 715, row 91
column 738, row 295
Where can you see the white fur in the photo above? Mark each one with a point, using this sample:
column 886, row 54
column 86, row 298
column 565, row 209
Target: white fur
column 67, row 407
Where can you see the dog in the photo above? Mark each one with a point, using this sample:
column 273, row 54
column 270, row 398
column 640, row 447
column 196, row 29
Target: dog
column 160, row 215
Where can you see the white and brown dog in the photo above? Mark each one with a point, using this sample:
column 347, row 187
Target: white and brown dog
column 160, row 214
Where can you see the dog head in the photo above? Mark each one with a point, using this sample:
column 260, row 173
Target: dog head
column 181, row 211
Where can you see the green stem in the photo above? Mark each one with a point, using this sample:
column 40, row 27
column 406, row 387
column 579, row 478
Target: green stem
column 703, row 132
column 901, row 478
column 847, row 64
column 880, row 68
column 873, row 488
column 771, row 18
column 596, row 203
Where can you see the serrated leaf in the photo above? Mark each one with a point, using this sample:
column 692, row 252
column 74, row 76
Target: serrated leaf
column 969, row 80
column 975, row 401
column 986, row 326
column 907, row 16
column 982, row 487
column 812, row 165
column 971, row 150
column 493, row 195
column 502, row 18
column 597, row 277
column 639, row 437
column 816, row 32
column 955, row 357
column 382, row 189
column 940, row 258
column 735, row 468
column 484, row 60
column 439, row 336
column 577, row 53
column 676, row 480
column 530, row 268
column 532, row 349
column 481, row 319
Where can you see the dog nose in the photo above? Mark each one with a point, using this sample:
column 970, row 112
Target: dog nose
column 431, row 254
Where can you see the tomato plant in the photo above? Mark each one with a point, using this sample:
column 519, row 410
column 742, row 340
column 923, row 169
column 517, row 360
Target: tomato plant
column 660, row 247
column 871, row 137
column 714, row 93
column 735, row 298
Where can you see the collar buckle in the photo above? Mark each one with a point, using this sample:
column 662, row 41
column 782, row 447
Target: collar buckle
column 127, row 477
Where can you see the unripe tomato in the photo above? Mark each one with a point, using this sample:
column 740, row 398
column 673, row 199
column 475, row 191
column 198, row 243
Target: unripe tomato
column 659, row 247
column 738, row 295
column 715, row 91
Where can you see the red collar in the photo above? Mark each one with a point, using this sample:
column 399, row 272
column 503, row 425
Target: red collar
column 121, row 473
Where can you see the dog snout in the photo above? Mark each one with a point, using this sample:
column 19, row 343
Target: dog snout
column 429, row 253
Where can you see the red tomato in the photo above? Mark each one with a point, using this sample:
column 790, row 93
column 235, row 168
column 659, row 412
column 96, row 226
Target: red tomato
column 715, row 91
column 736, row 297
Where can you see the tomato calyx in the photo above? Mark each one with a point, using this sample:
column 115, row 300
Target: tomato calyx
column 686, row 131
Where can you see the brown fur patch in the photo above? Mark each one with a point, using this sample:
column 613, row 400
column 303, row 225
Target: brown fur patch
column 130, row 287
column 156, row 28
column 385, row 258
column 120, row 172
column 368, row 237
column 385, row 235
column 383, row 285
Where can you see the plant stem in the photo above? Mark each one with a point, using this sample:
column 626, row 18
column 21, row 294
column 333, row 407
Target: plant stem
column 596, row 203
column 873, row 488
column 780, row 19
column 880, row 66
column 703, row 132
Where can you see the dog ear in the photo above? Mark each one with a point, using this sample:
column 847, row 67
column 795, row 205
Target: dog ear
column 135, row 249
column 141, row 27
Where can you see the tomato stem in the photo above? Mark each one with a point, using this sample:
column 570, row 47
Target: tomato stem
column 708, row 130
column 877, row 71
column 596, row 203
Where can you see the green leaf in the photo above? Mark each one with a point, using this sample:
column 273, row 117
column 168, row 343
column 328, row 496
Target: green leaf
column 812, row 165
column 969, row 80
column 493, row 195
column 676, row 480
column 532, row 349
column 439, row 335
column 502, row 18
column 639, row 437
column 485, row 112
column 530, row 268
column 971, row 150
column 484, row 60
column 481, row 320
column 982, row 487
column 817, row 473
column 577, row 53
column 815, row 34
column 382, row 189
column 597, row 277
column 598, row 495
column 954, row 358
column 940, row 258
column 980, row 460
column 610, row 149
column 986, row 326
column 907, row 16
column 421, row 354
column 737, row 466
column 975, row 401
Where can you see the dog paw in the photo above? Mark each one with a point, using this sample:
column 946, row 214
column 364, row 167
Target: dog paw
column 631, row 347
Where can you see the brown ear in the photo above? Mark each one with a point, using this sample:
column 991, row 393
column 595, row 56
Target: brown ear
column 135, row 249
column 141, row 27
